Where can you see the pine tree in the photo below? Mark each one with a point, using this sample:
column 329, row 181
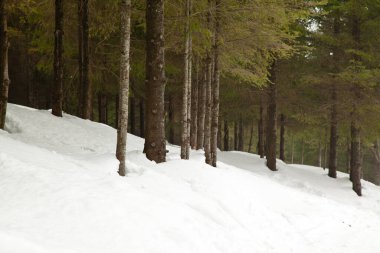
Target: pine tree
column 155, row 144
column 57, row 91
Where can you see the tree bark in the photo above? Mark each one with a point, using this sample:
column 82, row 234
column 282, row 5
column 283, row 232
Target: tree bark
column 194, row 111
column 282, row 137
column 241, row 135
column 208, row 116
column 132, row 117
column 201, row 111
column 292, row 150
column 102, row 107
column 125, row 9
column 57, row 91
column 226, row 136
column 185, row 138
column 84, row 62
column 348, row 159
column 250, row 140
column 261, row 146
column 355, row 174
column 320, row 150
column 4, row 77
column 302, row 151
column 142, row 117
column 155, row 144
column 272, row 119
column 216, row 84
column 236, row 135
column 333, row 134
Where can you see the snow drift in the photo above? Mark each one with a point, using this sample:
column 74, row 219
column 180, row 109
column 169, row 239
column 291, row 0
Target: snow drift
column 60, row 192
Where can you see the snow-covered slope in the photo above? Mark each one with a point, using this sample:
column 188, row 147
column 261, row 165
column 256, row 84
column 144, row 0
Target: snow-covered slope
column 59, row 192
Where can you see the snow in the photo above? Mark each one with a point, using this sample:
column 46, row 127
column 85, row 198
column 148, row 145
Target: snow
column 60, row 193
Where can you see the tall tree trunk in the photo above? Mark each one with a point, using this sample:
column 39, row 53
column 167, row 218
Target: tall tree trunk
column 57, row 91
column 261, row 146
column 355, row 174
column 125, row 9
column 155, row 144
column 272, row 119
column 142, row 117
column 348, row 159
column 226, row 136
column 4, row 77
column 236, row 135
column 241, row 135
column 216, row 84
column 220, row 134
column 207, row 135
column 102, row 107
column 132, row 117
column 117, row 102
column 171, row 119
column 185, row 139
column 194, row 110
column 85, row 84
column 333, row 134
column 320, row 150
column 250, row 139
column 282, row 137
column 302, row 150
column 292, row 150
column 202, row 88
column 325, row 150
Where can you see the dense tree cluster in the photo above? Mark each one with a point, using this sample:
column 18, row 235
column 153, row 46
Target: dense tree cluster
column 291, row 79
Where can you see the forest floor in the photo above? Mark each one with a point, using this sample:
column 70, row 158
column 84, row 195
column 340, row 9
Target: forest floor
column 60, row 193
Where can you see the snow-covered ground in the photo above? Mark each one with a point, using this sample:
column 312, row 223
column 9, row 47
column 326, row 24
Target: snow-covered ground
column 60, row 193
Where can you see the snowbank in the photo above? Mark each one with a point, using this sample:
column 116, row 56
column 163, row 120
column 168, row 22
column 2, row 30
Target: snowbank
column 60, row 193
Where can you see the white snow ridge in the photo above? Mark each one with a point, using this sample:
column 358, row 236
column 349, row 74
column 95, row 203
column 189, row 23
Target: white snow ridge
column 60, row 193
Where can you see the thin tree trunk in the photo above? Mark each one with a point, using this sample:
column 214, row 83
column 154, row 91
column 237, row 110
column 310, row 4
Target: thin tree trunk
column 356, row 172
column 189, row 92
column 102, row 107
column 216, row 84
column 261, row 146
column 226, row 136
column 207, row 135
column 171, row 119
column 319, row 154
column 236, row 135
column 325, row 151
column 292, row 150
column 302, row 151
column 4, row 77
column 241, row 135
column 57, row 91
column 348, row 160
column 202, row 88
column 85, row 84
column 282, row 137
column 272, row 120
column 117, row 102
column 194, row 110
column 220, row 134
column 333, row 134
column 185, row 142
column 132, row 117
column 155, row 144
column 251, row 139
column 125, row 9
column 142, row 117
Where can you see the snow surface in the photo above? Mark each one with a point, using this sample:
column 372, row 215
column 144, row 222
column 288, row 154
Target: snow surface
column 60, row 193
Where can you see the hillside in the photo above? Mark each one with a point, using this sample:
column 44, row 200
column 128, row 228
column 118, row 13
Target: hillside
column 60, row 192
